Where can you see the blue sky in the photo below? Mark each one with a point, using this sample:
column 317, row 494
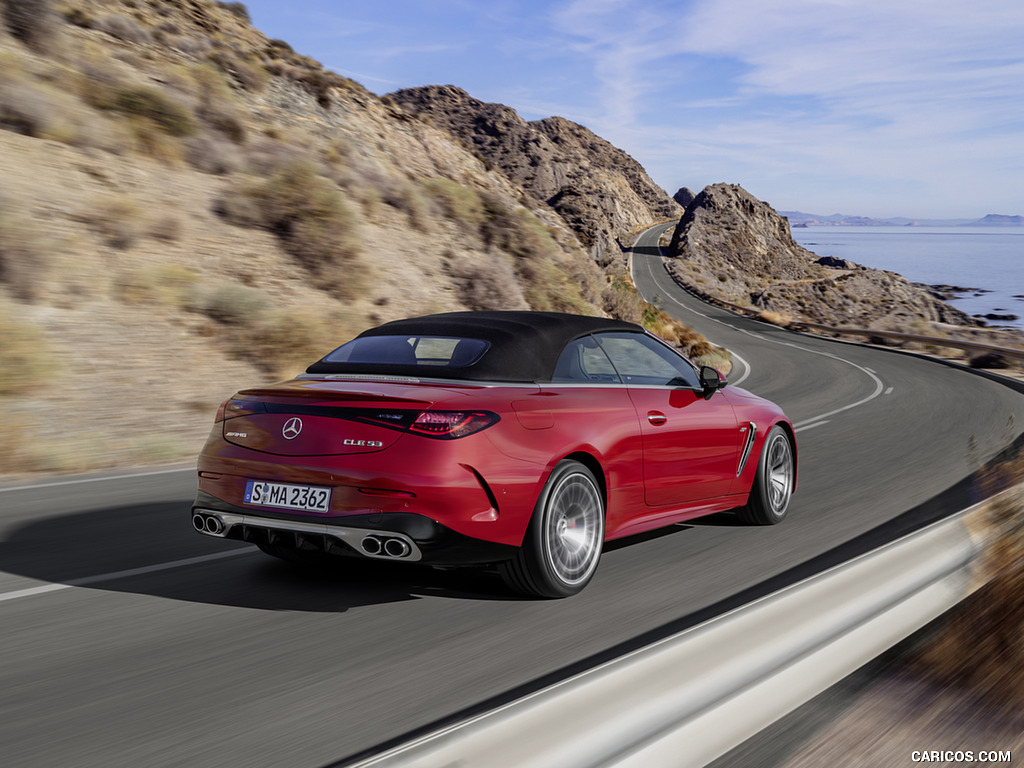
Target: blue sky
column 864, row 107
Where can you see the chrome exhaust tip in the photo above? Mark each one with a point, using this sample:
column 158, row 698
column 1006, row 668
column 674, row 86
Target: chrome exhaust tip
column 372, row 545
column 396, row 548
column 211, row 524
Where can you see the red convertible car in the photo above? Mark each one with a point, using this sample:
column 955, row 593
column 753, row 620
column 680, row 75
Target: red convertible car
column 517, row 439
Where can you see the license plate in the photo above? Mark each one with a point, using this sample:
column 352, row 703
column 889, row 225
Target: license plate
column 307, row 498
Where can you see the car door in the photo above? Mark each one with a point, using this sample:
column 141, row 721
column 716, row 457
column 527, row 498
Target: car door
column 690, row 444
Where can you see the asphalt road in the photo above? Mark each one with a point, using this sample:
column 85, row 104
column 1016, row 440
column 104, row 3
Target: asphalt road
column 128, row 640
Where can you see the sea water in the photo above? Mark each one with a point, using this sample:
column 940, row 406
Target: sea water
column 990, row 260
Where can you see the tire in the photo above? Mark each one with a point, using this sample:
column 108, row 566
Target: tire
column 773, row 484
column 563, row 543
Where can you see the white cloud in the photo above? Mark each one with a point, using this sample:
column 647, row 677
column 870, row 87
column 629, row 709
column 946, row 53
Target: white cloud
column 899, row 94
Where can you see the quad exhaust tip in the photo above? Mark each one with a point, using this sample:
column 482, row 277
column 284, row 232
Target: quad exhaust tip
column 385, row 546
column 396, row 547
column 208, row 524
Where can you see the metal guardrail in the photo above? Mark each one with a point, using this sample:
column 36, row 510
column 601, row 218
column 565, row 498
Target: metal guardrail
column 690, row 698
column 1017, row 354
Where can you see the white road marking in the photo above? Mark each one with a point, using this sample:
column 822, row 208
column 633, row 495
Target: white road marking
column 83, row 582
column 814, row 420
column 809, row 426
column 888, row 391
column 95, row 479
column 746, row 366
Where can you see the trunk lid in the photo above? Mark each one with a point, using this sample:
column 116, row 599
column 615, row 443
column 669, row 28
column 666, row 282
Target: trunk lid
column 310, row 417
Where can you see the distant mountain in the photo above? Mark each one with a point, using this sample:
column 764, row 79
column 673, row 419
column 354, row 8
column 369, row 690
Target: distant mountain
column 801, row 219
column 998, row 220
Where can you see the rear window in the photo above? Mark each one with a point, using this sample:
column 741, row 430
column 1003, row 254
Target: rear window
column 432, row 351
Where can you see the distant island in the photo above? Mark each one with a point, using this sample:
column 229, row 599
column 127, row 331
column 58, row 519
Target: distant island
column 800, row 219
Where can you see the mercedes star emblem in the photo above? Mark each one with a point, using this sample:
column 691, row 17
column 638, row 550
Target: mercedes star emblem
column 292, row 427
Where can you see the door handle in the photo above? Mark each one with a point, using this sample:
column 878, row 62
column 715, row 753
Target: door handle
column 657, row 418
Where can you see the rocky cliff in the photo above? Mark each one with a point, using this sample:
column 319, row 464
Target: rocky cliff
column 599, row 191
column 732, row 246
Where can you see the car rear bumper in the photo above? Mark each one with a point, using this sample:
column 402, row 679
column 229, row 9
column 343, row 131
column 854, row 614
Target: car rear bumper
column 397, row 536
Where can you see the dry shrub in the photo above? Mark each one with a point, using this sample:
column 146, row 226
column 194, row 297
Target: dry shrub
column 234, row 304
column 621, row 301
column 775, row 318
column 96, row 80
column 308, row 213
column 26, row 255
column 26, row 361
column 167, row 284
column 981, row 645
column 320, row 82
column 34, row 22
column 78, row 16
column 267, row 156
column 283, row 343
column 40, row 106
column 29, row 109
column 238, row 10
column 703, row 353
column 216, row 103
column 228, row 122
column 145, row 138
column 191, row 46
column 117, row 219
column 338, row 151
column 211, row 154
column 168, row 228
column 674, row 332
column 537, row 257
column 405, row 196
column 123, row 28
column 278, row 49
column 154, row 105
column 248, row 74
column 460, row 203
column 491, row 284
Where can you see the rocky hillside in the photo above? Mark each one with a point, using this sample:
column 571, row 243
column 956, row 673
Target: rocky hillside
column 732, row 246
column 601, row 192
column 187, row 207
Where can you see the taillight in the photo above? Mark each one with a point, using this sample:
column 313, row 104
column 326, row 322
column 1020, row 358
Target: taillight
column 231, row 408
column 449, row 425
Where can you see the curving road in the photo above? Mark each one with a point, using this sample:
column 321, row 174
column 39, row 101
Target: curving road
column 128, row 640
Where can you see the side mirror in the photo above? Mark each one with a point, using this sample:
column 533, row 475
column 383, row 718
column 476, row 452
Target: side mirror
column 711, row 381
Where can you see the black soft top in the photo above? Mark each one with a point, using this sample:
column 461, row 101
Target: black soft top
column 524, row 346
